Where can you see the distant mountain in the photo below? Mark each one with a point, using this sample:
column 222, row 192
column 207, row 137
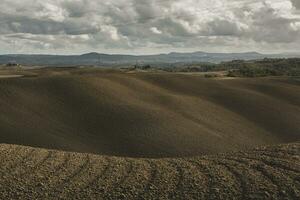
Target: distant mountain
column 118, row 59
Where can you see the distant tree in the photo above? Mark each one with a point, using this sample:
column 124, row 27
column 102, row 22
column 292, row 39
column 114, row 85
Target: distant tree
column 12, row 64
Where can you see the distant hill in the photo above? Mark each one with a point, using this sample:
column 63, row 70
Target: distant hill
column 118, row 59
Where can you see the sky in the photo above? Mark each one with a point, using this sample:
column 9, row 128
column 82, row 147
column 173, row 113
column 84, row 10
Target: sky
column 149, row 26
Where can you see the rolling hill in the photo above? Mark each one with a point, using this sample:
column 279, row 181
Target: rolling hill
column 147, row 114
column 86, row 133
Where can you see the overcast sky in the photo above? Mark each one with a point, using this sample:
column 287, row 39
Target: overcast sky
column 149, row 26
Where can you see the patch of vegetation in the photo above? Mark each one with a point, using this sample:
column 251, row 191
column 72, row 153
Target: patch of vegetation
column 254, row 72
column 242, row 68
column 211, row 75
column 265, row 67
column 142, row 67
column 194, row 67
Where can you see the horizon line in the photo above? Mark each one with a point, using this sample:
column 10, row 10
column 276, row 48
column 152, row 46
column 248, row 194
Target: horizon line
column 167, row 53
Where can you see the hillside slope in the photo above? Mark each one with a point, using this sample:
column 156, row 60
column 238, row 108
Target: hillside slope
column 147, row 115
column 263, row 173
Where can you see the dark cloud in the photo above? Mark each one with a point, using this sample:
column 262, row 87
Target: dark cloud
column 221, row 27
column 76, row 9
column 296, row 3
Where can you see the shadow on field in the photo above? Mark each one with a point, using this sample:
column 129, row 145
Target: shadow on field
column 147, row 114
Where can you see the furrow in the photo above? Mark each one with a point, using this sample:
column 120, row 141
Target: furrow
column 230, row 176
column 137, row 180
column 24, row 184
column 117, row 190
column 6, row 152
column 289, row 164
column 163, row 182
column 42, row 178
column 36, row 165
column 177, row 192
column 258, row 184
column 82, row 181
column 207, row 186
column 276, row 154
column 193, row 184
column 49, row 177
column 69, row 183
column 104, row 183
column 92, row 184
column 10, row 180
column 289, row 168
column 112, row 191
column 12, row 170
column 286, row 185
column 150, row 182
column 69, row 168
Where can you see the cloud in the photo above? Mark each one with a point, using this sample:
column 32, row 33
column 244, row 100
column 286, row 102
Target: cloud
column 155, row 30
column 149, row 25
column 296, row 3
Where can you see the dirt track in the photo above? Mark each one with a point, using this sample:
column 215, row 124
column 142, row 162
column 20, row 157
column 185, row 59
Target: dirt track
column 265, row 173
column 10, row 76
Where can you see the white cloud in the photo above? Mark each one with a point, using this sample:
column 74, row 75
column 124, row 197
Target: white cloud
column 51, row 11
column 155, row 30
column 111, row 32
column 151, row 25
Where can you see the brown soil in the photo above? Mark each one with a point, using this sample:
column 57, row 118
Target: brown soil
column 146, row 114
column 170, row 132
column 263, row 173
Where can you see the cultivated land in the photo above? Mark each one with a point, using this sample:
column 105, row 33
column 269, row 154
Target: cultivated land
column 263, row 173
column 146, row 114
column 156, row 135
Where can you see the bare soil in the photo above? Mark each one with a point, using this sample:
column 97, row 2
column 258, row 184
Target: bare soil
column 156, row 136
column 263, row 173
column 146, row 114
